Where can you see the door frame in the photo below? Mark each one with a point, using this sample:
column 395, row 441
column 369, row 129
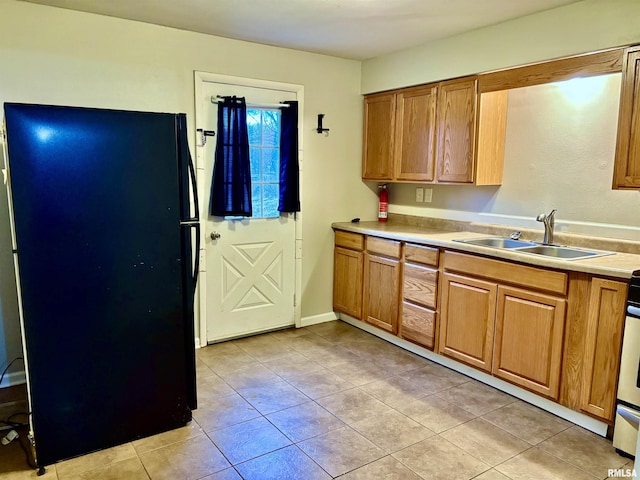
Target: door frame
column 200, row 78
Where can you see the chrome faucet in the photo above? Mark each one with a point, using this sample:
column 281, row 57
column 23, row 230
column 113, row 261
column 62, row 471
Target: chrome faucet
column 549, row 223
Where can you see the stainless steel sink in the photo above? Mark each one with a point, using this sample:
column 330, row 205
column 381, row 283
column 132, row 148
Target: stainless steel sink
column 553, row 251
column 565, row 253
column 498, row 242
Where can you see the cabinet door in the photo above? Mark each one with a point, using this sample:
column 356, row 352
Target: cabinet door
column 456, row 119
column 626, row 172
column 467, row 313
column 415, row 134
column 382, row 292
column 347, row 281
column 528, row 340
column 379, row 131
column 603, row 343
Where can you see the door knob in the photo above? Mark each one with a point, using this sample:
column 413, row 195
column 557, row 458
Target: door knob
column 215, row 235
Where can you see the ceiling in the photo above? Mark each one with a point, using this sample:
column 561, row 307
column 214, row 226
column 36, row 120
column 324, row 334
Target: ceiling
column 354, row 29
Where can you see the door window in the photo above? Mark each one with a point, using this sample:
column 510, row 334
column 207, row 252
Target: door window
column 264, row 152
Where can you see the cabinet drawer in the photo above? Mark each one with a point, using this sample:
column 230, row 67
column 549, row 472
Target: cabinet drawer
column 532, row 277
column 354, row 241
column 421, row 254
column 418, row 324
column 388, row 248
column 420, row 285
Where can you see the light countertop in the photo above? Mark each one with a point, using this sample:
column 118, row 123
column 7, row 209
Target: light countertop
column 618, row 265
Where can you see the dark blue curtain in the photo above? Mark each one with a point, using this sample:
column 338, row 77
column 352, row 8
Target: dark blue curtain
column 289, row 170
column 231, row 185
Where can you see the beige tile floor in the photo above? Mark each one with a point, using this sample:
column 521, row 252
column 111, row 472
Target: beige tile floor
column 331, row 401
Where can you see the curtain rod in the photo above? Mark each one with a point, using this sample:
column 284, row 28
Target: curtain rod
column 214, row 99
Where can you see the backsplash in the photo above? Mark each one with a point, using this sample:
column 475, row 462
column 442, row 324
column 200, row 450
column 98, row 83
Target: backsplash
column 560, row 238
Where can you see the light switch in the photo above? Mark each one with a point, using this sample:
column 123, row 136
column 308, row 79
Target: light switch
column 419, row 194
column 428, row 194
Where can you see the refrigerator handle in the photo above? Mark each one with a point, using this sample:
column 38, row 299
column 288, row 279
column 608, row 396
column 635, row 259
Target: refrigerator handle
column 196, row 225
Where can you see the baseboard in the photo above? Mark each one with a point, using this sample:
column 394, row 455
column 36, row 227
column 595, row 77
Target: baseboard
column 14, row 378
column 589, row 423
column 314, row 319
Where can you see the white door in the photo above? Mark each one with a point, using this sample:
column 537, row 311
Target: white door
column 250, row 262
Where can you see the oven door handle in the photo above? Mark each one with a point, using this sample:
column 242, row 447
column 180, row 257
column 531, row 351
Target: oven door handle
column 631, row 415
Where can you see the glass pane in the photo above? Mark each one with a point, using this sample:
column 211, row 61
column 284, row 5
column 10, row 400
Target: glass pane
column 271, row 128
column 254, row 160
column 270, row 202
column 270, row 164
column 253, row 126
column 256, row 199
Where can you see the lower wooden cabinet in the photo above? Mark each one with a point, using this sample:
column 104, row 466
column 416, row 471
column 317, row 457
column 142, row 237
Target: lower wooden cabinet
column 557, row 334
column 528, row 340
column 467, row 317
column 382, row 292
column 603, row 346
column 348, row 271
column 512, row 333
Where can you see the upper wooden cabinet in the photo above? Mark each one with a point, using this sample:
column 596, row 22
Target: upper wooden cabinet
column 626, row 172
column 438, row 133
column 379, row 130
column 415, row 134
column 456, row 131
column 399, row 133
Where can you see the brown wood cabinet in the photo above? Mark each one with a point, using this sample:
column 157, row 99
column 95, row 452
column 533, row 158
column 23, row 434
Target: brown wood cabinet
column 399, row 135
column 467, row 318
column 379, row 132
column 528, row 340
column 420, row 294
column 626, row 172
column 415, row 134
column 348, row 273
column 382, row 284
column 501, row 323
column 436, row 133
column 603, row 345
column 456, row 131
column 555, row 333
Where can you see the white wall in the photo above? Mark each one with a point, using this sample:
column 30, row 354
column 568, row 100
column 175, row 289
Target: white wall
column 557, row 155
column 56, row 56
column 577, row 28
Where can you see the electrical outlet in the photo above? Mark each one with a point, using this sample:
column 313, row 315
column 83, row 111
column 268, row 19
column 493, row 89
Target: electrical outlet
column 419, row 194
column 428, row 195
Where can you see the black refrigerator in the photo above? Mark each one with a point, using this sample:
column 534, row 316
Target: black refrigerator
column 101, row 204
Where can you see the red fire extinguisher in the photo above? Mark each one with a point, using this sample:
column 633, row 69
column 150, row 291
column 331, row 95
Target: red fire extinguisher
column 384, row 203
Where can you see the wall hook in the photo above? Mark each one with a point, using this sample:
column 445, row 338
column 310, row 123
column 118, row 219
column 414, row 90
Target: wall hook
column 320, row 129
column 203, row 136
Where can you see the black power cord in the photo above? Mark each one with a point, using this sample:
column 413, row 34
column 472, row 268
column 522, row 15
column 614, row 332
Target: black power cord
column 9, row 422
column 4, row 372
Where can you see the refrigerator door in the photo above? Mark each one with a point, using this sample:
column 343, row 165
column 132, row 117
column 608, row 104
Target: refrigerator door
column 96, row 203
